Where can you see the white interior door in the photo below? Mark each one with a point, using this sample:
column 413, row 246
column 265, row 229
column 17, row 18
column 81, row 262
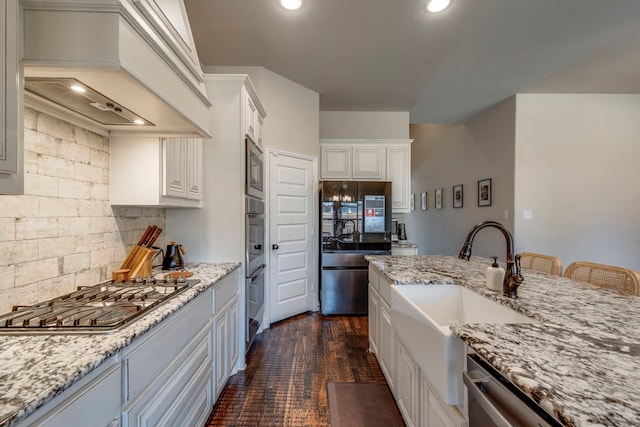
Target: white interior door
column 292, row 237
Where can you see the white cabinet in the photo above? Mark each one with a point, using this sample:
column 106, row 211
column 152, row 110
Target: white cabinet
column 370, row 160
column 399, row 173
column 382, row 337
column 159, row 172
column 433, row 412
column 407, row 385
column 182, row 168
column 253, row 118
column 225, row 332
column 94, row 400
column 336, row 162
column 11, row 101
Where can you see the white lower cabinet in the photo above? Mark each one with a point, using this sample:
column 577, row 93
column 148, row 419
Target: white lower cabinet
column 417, row 403
column 168, row 377
column 407, row 391
column 92, row 401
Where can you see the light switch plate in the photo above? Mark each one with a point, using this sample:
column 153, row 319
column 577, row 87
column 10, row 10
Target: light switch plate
column 527, row 215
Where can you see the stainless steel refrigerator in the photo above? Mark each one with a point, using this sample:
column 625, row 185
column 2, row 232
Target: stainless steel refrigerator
column 355, row 221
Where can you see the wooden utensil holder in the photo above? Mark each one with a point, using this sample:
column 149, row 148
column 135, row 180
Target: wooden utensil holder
column 138, row 262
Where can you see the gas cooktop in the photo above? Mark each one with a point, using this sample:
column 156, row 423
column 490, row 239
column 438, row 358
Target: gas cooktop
column 101, row 308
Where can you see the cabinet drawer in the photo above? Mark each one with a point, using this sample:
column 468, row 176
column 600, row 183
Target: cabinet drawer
column 225, row 290
column 385, row 289
column 147, row 358
column 97, row 403
column 374, row 278
column 179, row 394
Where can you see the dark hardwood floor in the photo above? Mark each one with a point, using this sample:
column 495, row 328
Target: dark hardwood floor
column 288, row 369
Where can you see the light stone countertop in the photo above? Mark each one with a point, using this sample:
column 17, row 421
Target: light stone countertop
column 36, row 368
column 581, row 363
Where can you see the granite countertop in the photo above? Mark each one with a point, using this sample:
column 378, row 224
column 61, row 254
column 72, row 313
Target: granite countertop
column 36, row 368
column 580, row 363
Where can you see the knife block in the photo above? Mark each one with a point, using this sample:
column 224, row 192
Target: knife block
column 138, row 262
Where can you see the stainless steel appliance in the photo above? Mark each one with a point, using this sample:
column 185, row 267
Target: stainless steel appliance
column 254, row 179
column 494, row 401
column 101, row 308
column 355, row 221
column 255, row 267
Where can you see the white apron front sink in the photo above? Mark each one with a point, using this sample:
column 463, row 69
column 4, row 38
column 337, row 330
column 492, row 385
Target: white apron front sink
column 421, row 315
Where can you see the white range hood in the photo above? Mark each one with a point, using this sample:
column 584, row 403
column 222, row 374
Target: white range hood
column 135, row 60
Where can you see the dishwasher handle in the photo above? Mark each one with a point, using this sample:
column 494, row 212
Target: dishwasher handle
column 478, row 386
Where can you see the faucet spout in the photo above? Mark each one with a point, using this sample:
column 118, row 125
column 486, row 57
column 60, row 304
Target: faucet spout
column 512, row 276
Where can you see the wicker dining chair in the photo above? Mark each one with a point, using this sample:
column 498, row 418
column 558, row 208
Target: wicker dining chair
column 623, row 280
column 540, row 262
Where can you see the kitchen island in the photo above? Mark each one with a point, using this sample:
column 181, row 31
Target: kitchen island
column 36, row 368
column 580, row 362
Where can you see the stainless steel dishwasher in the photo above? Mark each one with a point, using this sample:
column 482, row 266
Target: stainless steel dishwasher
column 494, row 401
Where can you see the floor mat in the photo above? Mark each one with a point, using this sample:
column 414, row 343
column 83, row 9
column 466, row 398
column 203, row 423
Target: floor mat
column 362, row 404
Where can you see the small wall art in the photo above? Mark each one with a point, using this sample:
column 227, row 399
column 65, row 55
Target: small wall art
column 484, row 192
column 438, row 198
column 423, row 201
column 457, row 196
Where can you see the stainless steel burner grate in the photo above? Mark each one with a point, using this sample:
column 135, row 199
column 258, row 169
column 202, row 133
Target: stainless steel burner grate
column 101, row 308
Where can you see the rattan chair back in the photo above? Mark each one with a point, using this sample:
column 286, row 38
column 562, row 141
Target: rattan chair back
column 540, row 262
column 623, row 280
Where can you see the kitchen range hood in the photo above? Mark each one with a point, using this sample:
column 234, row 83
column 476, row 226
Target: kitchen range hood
column 126, row 67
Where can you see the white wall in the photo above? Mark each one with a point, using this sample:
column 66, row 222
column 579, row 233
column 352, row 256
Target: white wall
column 360, row 124
column 446, row 155
column 292, row 122
column 577, row 171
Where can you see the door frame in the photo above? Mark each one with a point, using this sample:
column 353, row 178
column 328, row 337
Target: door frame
column 314, row 226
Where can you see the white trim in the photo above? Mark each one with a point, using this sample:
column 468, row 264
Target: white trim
column 364, row 141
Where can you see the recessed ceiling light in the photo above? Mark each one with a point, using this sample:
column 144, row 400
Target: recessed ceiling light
column 78, row 88
column 438, row 5
column 138, row 121
column 291, row 4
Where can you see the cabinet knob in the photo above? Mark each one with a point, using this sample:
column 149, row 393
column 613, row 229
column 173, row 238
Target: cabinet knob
column 275, row 246
column 258, row 247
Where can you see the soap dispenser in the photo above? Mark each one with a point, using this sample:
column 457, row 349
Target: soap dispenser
column 495, row 276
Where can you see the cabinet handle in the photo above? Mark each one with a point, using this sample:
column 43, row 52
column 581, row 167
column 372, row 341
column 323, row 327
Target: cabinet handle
column 258, row 247
column 275, row 246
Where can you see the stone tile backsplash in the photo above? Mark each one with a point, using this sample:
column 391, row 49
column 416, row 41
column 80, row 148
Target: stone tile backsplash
column 63, row 232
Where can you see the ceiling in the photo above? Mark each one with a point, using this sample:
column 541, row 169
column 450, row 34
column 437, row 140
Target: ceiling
column 391, row 55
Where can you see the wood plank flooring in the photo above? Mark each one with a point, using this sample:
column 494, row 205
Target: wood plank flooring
column 289, row 367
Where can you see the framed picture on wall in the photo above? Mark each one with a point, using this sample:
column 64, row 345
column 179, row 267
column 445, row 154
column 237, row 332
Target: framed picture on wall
column 438, row 198
column 423, row 201
column 457, row 196
column 484, row 192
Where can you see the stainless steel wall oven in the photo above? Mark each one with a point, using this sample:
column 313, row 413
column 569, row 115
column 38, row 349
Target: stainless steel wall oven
column 254, row 179
column 255, row 267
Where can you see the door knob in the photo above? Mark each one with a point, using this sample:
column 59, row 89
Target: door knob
column 275, row 246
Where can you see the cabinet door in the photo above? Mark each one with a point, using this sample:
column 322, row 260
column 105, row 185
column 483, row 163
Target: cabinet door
column 250, row 112
column 11, row 122
column 407, row 385
column 221, row 328
column 374, row 312
column 386, row 343
column 368, row 162
column 336, row 162
column 232, row 337
column 194, row 168
column 399, row 173
column 259, row 129
column 175, row 167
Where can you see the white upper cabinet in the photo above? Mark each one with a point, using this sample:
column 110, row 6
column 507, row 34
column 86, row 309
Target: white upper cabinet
column 156, row 172
column 11, row 163
column 370, row 160
column 336, row 162
column 399, row 173
column 253, row 117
